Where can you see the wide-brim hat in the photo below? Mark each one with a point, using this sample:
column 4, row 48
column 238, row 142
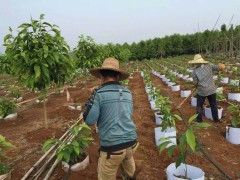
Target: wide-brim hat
column 198, row 60
column 109, row 64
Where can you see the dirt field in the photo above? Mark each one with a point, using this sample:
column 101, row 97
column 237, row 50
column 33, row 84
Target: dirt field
column 28, row 134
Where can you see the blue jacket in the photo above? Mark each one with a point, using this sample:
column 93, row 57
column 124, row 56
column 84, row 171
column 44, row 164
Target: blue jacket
column 111, row 107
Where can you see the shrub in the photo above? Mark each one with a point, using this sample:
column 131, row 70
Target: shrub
column 6, row 107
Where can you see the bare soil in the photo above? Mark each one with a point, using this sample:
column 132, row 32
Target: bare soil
column 28, row 133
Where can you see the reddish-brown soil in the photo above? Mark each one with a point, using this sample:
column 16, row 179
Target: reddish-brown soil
column 28, row 133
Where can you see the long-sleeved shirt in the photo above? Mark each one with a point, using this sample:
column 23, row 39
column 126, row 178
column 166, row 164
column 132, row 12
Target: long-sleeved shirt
column 111, row 107
column 203, row 77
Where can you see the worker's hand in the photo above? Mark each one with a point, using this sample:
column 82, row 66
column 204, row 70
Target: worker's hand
column 92, row 89
column 221, row 66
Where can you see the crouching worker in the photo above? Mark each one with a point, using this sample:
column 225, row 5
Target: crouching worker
column 111, row 107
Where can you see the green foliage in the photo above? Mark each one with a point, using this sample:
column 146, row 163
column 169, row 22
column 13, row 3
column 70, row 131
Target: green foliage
column 177, row 44
column 172, row 77
column 234, row 109
column 122, row 53
column 4, row 168
column 5, row 64
column 219, row 95
column 188, row 142
column 15, row 92
column 187, row 85
column 87, row 53
column 162, row 108
column 4, row 145
column 71, row 151
column 6, row 107
column 125, row 82
column 234, row 87
column 38, row 54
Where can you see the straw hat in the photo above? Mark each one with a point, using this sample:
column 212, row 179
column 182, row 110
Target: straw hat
column 109, row 64
column 198, row 60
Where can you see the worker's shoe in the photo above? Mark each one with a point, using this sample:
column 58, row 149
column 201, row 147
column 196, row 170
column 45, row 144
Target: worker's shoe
column 218, row 122
column 125, row 176
column 199, row 121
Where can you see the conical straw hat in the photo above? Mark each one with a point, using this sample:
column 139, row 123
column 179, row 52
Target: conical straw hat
column 109, row 64
column 198, row 60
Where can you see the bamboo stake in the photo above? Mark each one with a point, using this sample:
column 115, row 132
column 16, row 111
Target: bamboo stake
column 43, row 157
column 51, row 170
column 29, row 100
column 39, row 161
column 185, row 99
column 40, row 171
column 55, row 163
column 23, row 102
column 45, row 113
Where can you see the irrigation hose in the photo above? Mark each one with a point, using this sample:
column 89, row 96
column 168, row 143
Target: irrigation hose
column 218, row 167
column 68, row 173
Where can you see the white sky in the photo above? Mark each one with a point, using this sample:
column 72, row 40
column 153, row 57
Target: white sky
column 120, row 21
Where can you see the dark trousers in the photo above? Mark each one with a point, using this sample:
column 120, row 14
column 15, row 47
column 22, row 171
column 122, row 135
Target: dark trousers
column 213, row 104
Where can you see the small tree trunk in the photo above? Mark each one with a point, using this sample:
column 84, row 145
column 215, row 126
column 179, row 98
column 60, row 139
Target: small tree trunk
column 45, row 112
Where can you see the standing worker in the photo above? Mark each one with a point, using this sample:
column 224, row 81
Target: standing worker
column 111, row 107
column 206, row 88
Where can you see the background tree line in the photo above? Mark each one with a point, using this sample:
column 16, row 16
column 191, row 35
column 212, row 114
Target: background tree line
column 223, row 42
column 87, row 54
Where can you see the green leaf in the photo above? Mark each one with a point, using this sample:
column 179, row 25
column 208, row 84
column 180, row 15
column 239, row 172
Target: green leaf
column 42, row 16
column 45, row 71
column 177, row 117
column 203, row 125
column 47, row 24
column 76, row 149
column 37, row 71
column 7, row 37
column 48, row 144
column 191, row 139
column 66, row 156
column 171, row 150
column 45, row 55
column 75, row 143
column 60, row 156
column 192, row 118
column 23, row 54
column 2, row 138
column 163, row 146
column 45, row 47
column 24, row 25
column 178, row 161
column 235, row 122
column 182, row 141
column 8, row 144
column 56, row 56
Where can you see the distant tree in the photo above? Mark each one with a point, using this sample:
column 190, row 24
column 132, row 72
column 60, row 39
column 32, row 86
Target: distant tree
column 120, row 52
column 134, row 50
column 177, row 44
column 87, row 53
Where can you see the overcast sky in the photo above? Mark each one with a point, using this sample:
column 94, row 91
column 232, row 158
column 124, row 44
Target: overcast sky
column 120, row 21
